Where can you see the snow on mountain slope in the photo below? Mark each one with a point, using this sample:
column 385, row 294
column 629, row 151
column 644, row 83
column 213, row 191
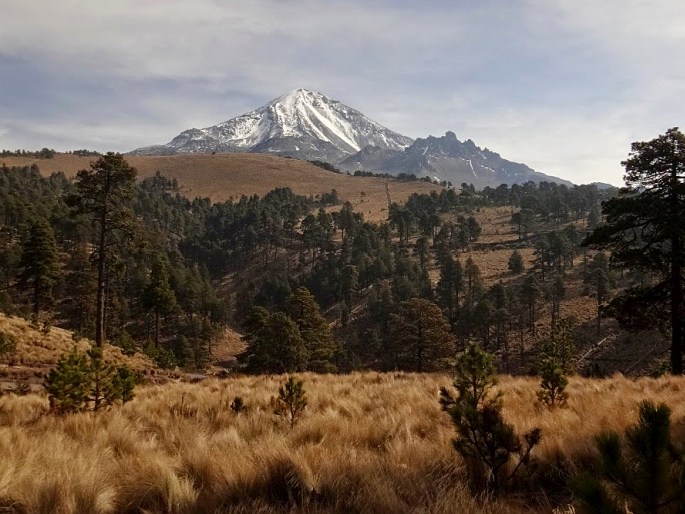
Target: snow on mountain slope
column 301, row 123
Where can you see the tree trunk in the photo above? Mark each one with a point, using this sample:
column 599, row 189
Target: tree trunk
column 676, row 308
column 36, row 297
column 156, row 327
column 676, row 283
column 101, row 296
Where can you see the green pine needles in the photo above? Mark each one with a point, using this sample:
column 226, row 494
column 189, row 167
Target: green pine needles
column 291, row 400
column 484, row 440
column 644, row 474
column 82, row 381
column 553, row 383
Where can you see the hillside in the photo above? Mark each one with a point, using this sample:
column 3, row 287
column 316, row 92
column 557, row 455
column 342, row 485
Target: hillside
column 222, row 176
column 38, row 350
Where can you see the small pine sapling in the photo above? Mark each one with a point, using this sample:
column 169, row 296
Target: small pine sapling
column 125, row 383
column 553, row 383
column 646, row 475
column 291, row 401
column 238, row 405
column 8, row 344
column 484, row 439
column 69, row 384
column 79, row 380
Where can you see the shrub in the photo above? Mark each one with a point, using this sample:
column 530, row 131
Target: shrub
column 80, row 379
column 553, row 383
column 484, row 440
column 69, row 384
column 646, row 476
column 8, row 344
column 291, row 400
column 515, row 263
column 238, row 405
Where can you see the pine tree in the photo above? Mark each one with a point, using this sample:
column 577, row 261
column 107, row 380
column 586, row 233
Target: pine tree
column 646, row 476
column 553, row 383
column 158, row 295
column 274, row 343
column 600, row 279
column 69, row 384
column 484, row 439
column 420, row 337
column 302, row 308
column 531, row 293
column 516, row 265
column 39, row 263
column 104, row 193
column 643, row 230
column 291, row 401
column 79, row 379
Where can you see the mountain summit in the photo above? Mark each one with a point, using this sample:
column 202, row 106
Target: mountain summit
column 311, row 126
column 302, row 124
column 447, row 158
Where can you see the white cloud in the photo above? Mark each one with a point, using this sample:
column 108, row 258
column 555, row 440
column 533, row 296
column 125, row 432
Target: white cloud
column 561, row 86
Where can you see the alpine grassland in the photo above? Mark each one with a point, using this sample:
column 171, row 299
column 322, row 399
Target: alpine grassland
column 366, row 442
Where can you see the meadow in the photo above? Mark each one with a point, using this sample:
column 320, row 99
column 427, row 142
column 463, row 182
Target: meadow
column 230, row 175
column 367, row 442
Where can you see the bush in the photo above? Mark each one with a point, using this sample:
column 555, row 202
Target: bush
column 80, row 380
column 238, row 405
column 68, row 384
column 8, row 344
column 484, row 440
column 553, row 383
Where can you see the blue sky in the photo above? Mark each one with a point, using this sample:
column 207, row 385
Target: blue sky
column 564, row 87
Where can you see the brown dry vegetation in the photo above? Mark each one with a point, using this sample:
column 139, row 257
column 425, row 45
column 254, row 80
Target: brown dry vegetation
column 222, row 176
column 38, row 350
column 367, row 443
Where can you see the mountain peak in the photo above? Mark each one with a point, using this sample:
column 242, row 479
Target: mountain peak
column 300, row 123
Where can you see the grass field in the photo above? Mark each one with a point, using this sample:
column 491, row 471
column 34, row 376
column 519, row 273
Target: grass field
column 366, row 443
column 222, row 176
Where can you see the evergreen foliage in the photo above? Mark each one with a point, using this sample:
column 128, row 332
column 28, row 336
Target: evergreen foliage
column 79, row 380
column 515, row 263
column 39, row 263
column 274, row 343
column 645, row 475
column 642, row 233
column 291, row 400
column 302, row 308
column 104, row 193
column 484, row 439
column 69, row 384
column 553, row 383
column 8, row 344
column 420, row 338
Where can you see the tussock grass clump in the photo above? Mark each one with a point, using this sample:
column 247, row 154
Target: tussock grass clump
column 369, row 443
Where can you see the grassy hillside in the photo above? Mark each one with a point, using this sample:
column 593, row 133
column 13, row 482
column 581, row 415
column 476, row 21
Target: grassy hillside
column 366, row 443
column 38, row 350
column 222, row 176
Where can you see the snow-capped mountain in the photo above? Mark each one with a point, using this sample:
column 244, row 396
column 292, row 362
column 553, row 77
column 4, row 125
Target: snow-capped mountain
column 447, row 158
column 308, row 125
column 302, row 124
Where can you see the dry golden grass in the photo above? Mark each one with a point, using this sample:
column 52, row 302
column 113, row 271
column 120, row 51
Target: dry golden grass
column 367, row 443
column 44, row 348
column 222, row 176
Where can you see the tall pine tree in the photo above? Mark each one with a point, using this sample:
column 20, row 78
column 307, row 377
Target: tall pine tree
column 39, row 264
column 643, row 230
column 104, row 193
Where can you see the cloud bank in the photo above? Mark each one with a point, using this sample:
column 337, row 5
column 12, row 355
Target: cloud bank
column 563, row 87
